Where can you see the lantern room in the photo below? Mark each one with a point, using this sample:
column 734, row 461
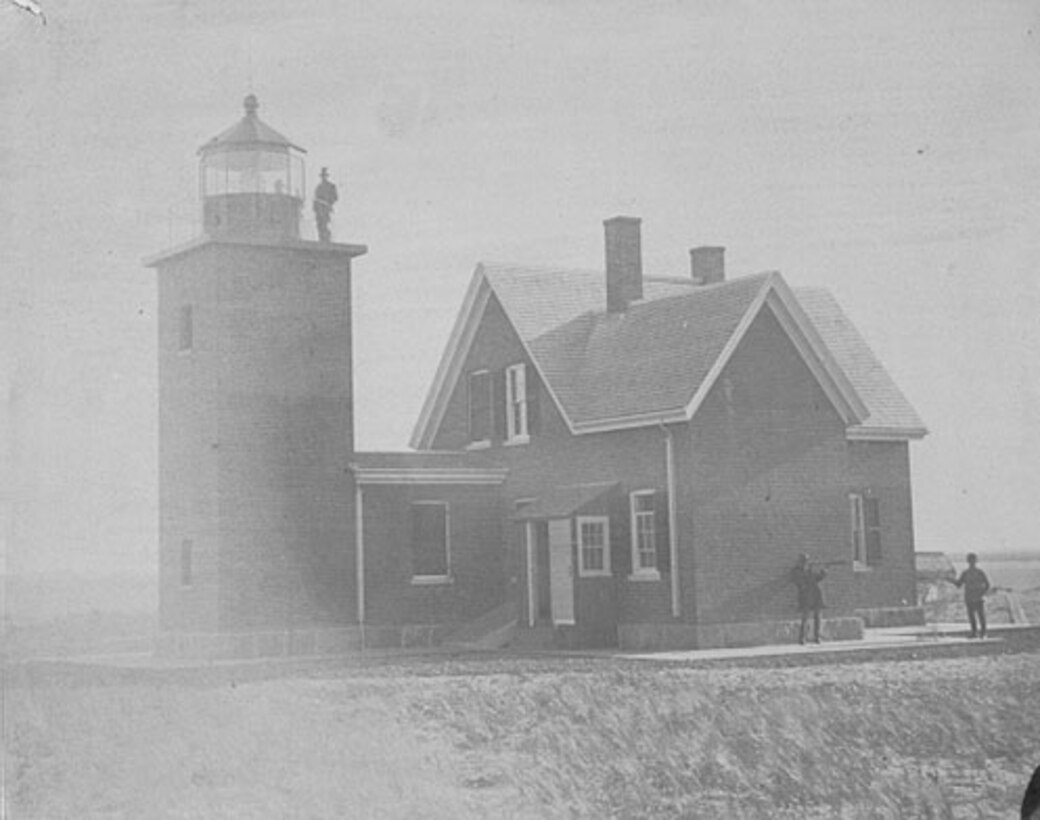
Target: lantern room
column 251, row 180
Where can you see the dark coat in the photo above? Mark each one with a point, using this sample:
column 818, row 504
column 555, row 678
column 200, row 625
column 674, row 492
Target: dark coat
column 807, row 580
column 975, row 584
column 325, row 196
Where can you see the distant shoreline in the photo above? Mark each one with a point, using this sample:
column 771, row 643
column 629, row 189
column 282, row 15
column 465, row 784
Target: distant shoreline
column 995, row 557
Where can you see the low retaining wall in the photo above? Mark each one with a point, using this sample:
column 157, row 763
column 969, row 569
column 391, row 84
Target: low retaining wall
column 652, row 637
column 299, row 642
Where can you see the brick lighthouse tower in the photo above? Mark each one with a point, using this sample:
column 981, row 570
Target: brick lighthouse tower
column 256, row 409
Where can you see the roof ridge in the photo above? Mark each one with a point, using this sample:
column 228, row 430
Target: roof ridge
column 535, row 268
column 525, row 267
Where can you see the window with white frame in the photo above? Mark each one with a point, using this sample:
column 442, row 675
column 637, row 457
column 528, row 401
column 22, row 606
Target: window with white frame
column 865, row 520
column 480, row 407
column 644, row 532
column 516, row 403
column 593, row 545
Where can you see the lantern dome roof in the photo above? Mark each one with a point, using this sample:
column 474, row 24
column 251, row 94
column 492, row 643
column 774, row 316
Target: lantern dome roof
column 249, row 132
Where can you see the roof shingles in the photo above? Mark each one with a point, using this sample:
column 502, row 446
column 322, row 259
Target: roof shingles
column 652, row 358
column 889, row 408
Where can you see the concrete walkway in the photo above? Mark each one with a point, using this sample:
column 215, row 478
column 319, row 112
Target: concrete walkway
column 904, row 637
column 893, row 638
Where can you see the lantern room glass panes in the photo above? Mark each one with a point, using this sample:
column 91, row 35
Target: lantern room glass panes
column 256, row 171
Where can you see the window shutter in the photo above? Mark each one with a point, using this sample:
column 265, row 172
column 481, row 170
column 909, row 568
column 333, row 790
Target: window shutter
column 533, row 417
column 498, row 405
column 872, row 522
column 621, row 537
column 661, row 530
column 479, row 406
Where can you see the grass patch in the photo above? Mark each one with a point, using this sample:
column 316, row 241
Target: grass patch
column 859, row 742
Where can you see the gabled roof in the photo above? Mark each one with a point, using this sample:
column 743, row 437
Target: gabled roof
column 648, row 360
column 657, row 361
column 891, row 415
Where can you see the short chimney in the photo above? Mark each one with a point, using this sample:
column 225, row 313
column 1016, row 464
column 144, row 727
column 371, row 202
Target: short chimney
column 708, row 265
column 624, row 262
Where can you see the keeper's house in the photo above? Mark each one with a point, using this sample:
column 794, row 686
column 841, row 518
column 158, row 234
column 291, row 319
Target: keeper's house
column 603, row 459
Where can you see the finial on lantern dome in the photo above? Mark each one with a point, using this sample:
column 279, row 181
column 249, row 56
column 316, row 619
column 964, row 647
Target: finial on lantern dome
column 251, row 105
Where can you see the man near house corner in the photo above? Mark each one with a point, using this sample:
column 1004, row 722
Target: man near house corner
column 807, row 578
column 976, row 585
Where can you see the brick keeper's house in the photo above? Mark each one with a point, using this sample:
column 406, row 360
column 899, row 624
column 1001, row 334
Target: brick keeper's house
column 604, row 458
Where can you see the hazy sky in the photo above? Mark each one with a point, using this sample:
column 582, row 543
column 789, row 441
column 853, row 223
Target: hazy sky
column 887, row 151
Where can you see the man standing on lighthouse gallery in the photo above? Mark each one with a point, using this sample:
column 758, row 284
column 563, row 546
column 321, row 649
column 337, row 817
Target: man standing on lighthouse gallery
column 325, row 196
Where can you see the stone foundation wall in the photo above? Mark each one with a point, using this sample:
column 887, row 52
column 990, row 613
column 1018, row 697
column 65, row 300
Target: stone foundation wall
column 653, row 637
column 879, row 617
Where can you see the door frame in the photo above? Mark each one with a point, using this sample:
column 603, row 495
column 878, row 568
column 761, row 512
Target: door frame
column 562, row 591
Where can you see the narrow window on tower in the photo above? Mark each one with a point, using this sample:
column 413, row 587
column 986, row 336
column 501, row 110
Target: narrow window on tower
column 186, row 329
column 186, row 568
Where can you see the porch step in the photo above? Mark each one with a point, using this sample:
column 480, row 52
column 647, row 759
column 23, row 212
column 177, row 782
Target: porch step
column 492, row 630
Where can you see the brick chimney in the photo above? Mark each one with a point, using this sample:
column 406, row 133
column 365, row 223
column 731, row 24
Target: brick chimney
column 624, row 262
column 708, row 265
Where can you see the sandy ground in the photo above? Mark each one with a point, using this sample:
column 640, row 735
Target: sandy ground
column 429, row 737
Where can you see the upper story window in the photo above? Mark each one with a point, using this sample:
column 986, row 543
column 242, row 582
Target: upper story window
column 516, row 404
column 644, row 532
column 593, row 545
column 865, row 520
column 502, row 406
column 431, row 547
column 480, row 407
column 185, row 328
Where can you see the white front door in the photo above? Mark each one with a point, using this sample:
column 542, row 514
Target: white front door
column 561, row 572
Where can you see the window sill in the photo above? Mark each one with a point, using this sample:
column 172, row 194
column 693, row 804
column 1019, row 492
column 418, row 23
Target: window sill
column 512, row 442
column 645, row 575
column 858, row 567
column 595, row 573
column 479, row 445
column 432, row 580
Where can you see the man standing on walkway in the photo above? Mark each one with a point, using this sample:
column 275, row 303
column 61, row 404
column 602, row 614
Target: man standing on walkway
column 976, row 585
column 806, row 578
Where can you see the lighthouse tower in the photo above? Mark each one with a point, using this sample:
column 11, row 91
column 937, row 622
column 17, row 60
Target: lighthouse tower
column 255, row 407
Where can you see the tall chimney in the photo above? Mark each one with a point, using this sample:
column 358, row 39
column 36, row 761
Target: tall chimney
column 624, row 262
column 708, row 265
